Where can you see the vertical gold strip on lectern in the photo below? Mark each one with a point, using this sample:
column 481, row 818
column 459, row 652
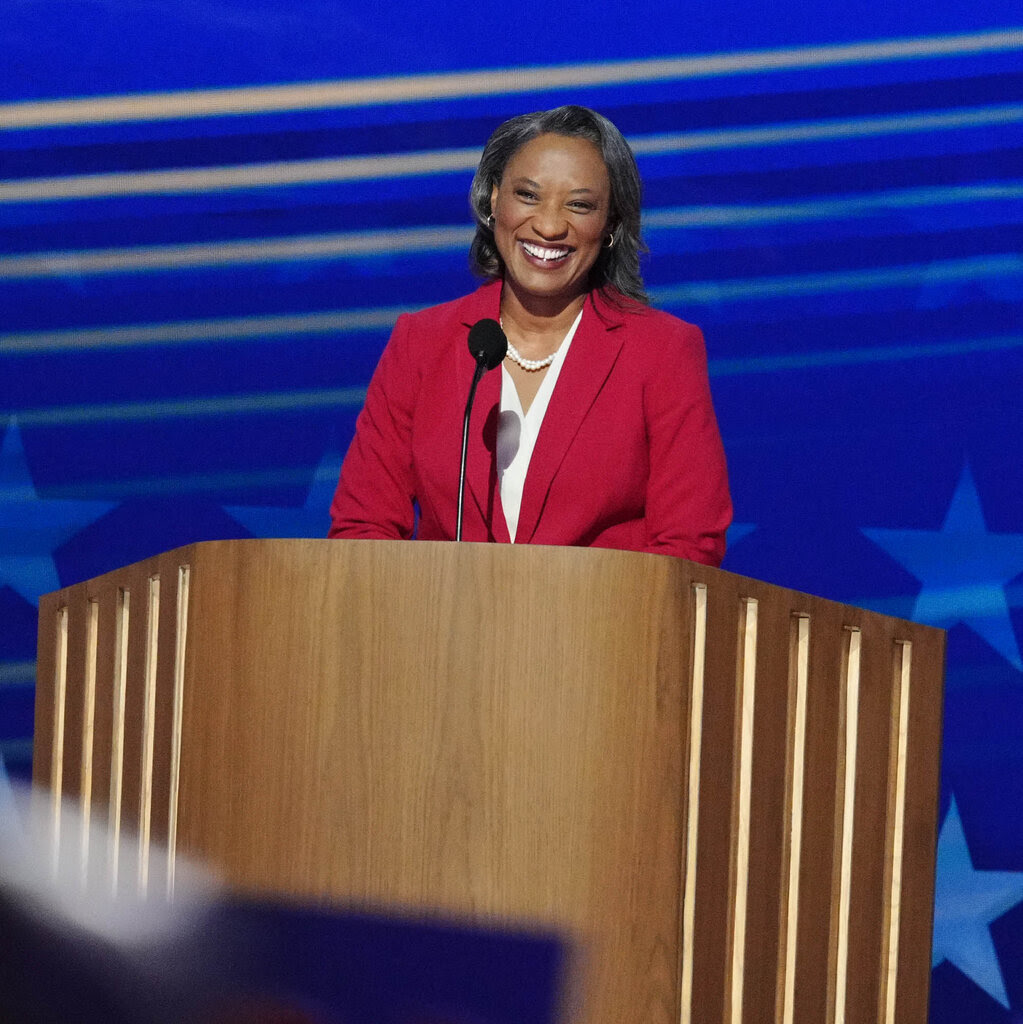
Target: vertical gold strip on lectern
column 148, row 731
column 692, row 819
column 120, row 687
column 894, row 842
column 747, row 676
column 847, row 795
column 799, row 675
column 59, row 703
column 88, row 726
column 180, row 646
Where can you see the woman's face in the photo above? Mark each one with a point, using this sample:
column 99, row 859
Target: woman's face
column 550, row 217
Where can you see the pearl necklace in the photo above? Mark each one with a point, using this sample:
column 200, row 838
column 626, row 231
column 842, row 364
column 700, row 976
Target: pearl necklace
column 529, row 364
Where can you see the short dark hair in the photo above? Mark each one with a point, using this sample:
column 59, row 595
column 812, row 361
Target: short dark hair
column 617, row 267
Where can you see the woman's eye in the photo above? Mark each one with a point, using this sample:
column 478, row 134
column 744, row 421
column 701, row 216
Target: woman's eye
column 524, row 193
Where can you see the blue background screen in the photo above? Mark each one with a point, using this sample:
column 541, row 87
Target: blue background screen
column 211, row 214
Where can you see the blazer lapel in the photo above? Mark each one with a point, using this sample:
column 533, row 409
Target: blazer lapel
column 590, row 358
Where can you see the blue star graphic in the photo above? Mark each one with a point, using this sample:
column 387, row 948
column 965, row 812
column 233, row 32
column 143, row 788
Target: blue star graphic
column 31, row 528
column 311, row 520
column 964, row 570
column 966, row 902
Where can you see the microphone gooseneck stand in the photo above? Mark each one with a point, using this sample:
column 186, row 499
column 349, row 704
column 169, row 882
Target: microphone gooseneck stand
column 488, row 347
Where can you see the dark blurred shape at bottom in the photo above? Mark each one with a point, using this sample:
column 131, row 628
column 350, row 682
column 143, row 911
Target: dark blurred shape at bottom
column 78, row 943
column 324, row 965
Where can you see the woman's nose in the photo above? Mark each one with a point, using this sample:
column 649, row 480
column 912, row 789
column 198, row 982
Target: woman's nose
column 549, row 220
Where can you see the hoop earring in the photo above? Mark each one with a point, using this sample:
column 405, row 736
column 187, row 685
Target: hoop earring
column 609, row 244
column 490, row 222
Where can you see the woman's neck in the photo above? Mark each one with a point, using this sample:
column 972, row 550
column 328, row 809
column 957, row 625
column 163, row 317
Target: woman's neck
column 533, row 315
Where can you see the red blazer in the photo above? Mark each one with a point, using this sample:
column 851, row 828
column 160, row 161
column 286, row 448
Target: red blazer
column 628, row 456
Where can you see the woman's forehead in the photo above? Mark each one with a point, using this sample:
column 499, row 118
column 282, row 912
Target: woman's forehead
column 559, row 156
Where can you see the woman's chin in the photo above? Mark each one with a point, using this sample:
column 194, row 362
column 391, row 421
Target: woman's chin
column 541, row 284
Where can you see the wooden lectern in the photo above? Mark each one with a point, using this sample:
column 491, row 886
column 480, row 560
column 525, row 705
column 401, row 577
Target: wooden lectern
column 722, row 792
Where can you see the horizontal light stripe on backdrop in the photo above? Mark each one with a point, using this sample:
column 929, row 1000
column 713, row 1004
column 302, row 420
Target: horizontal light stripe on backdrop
column 123, row 488
column 232, row 329
column 959, row 271
column 277, row 174
column 863, row 356
column 194, row 407
column 201, row 331
column 901, row 606
column 353, row 397
column 264, row 175
column 250, row 250
column 831, row 208
column 15, row 492
column 300, row 478
column 345, row 245
column 198, row 103
column 17, row 673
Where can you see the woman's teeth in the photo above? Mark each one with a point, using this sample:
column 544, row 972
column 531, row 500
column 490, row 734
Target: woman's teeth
column 542, row 253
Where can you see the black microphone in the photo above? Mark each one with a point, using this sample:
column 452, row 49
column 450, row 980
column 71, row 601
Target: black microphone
column 488, row 346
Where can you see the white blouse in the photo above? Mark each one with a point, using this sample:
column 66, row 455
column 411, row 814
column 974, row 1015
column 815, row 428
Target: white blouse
column 517, row 431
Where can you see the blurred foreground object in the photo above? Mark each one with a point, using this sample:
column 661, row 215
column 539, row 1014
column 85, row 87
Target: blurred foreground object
column 78, row 941
column 85, row 946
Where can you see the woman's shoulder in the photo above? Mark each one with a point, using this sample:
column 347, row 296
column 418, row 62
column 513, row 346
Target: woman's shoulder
column 648, row 327
column 466, row 309
column 427, row 339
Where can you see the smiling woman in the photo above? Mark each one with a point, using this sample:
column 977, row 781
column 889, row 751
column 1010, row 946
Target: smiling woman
column 599, row 430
